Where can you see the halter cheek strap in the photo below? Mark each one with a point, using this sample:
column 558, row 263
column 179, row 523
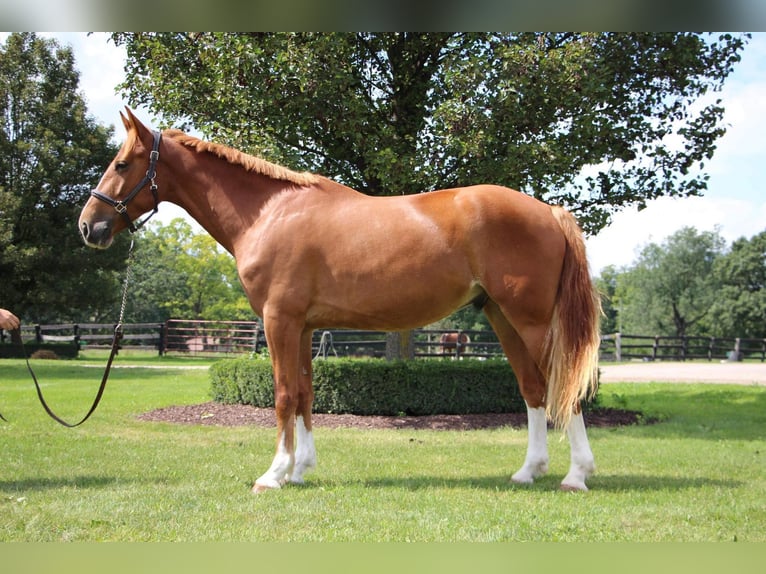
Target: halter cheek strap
column 122, row 206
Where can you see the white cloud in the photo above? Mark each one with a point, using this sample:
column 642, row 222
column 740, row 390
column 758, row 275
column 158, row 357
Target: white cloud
column 736, row 196
column 620, row 243
column 101, row 66
column 745, row 121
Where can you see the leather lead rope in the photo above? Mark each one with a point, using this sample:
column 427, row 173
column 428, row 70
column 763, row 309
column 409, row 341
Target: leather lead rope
column 115, row 347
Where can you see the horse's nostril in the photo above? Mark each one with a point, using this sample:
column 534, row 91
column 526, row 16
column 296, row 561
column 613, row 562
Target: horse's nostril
column 84, row 229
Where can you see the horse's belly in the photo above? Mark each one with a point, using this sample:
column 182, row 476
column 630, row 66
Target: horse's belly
column 403, row 304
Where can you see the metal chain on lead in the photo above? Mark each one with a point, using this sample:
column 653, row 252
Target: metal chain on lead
column 128, row 274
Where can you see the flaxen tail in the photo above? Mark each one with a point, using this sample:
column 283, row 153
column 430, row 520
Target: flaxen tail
column 573, row 338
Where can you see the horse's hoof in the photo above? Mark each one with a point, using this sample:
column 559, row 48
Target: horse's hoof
column 260, row 488
column 522, row 480
column 573, row 487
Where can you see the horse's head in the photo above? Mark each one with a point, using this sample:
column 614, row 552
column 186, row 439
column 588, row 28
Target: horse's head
column 126, row 190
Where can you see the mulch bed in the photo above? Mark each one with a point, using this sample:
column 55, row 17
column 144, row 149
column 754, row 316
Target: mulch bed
column 244, row 415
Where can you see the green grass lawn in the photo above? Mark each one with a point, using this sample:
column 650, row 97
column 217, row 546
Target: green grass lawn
column 698, row 474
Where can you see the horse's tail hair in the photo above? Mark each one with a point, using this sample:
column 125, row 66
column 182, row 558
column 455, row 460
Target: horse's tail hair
column 572, row 344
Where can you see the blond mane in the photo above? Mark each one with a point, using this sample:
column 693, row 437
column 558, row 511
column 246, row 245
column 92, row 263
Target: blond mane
column 249, row 162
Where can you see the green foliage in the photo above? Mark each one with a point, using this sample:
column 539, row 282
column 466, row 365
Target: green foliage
column 671, row 288
column 367, row 387
column 393, row 113
column 606, row 284
column 739, row 309
column 468, row 318
column 52, row 153
column 40, row 350
column 691, row 284
column 180, row 273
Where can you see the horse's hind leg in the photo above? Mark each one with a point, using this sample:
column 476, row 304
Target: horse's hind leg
column 582, row 462
column 532, row 386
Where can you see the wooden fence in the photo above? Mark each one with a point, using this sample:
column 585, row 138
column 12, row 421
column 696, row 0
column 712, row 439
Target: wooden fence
column 205, row 338
column 67, row 339
column 214, row 338
column 622, row 347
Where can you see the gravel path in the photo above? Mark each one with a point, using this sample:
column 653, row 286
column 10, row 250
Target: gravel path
column 712, row 372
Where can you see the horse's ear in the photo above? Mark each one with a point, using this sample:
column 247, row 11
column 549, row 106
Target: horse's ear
column 125, row 122
column 133, row 123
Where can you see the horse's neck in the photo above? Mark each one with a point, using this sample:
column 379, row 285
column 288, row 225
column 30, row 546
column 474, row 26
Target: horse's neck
column 225, row 204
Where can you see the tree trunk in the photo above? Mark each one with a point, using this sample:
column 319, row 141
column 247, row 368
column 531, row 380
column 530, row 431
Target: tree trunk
column 400, row 345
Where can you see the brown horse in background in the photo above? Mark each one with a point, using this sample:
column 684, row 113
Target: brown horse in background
column 312, row 253
column 454, row 343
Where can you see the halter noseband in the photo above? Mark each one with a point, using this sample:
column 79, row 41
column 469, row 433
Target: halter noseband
column 122, row 206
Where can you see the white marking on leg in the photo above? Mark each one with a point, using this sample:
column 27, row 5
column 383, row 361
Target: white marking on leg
column 582, row 462
column 305, row 453
column 536, row 462
column 280, row 467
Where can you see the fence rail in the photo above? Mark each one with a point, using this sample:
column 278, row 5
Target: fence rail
column 203, row 338
column 622, row 347
column 213, row 338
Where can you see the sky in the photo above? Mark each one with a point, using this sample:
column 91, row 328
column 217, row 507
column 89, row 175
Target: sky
column 734, row 204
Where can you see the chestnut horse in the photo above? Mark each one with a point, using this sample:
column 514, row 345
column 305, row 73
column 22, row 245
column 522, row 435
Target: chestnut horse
column 312, row 253
column 454, row 343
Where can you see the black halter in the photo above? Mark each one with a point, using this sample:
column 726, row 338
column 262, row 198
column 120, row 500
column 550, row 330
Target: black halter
column 122, row 206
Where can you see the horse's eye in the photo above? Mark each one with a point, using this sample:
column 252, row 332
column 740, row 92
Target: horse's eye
column 120, row 165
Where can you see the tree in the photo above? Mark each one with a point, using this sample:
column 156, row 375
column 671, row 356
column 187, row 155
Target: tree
column 671, row 288
column 180, row 274
column 606, row 284
column 393, row 113
column 396, row 113
column 51, row 154
column 739, row 309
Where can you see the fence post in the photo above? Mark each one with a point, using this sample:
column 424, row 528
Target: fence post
column 684, row 343
column 161, row 341
column 38, row 334
column 654, row 347
column 618, row 347
column 255, row 340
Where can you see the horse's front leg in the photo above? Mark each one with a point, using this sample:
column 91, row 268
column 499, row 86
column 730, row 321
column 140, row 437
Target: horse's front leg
column 305, row 452
column 283, row 338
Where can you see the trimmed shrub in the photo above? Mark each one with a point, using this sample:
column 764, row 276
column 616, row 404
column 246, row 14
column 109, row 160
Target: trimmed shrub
column 375, row 387
column 61, row 350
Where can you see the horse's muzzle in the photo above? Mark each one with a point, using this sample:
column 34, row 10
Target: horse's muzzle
column 98, row 234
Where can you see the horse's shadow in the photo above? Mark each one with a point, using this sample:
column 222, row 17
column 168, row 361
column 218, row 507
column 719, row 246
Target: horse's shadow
column 597, row 483
column 54, row 482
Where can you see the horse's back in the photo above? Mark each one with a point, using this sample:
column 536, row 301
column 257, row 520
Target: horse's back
column 391, row 263
column 502, row 235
